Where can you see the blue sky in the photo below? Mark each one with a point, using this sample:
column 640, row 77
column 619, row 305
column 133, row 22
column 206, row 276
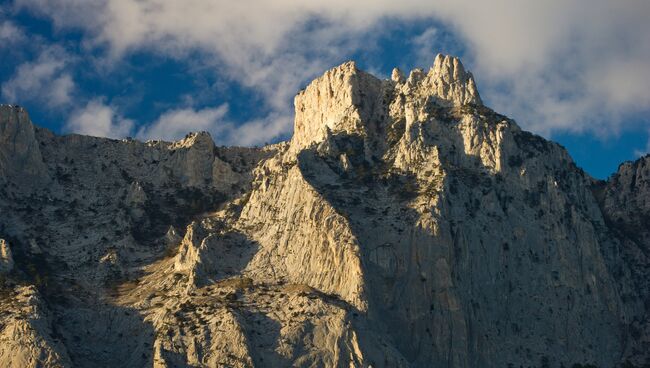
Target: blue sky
column 576, row 72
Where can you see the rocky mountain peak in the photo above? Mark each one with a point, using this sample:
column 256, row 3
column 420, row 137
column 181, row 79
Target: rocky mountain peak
column 447, row 82
column 20, row 157
column 453, row 84
column 348, row 100
column 404, row 225
column 450, row 69
column 341, row 100
column 200, row 140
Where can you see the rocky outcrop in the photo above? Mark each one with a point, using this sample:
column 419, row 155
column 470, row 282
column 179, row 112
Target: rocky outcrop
column 342, row 100
column 450, row 82
column 26, row 336
column 6, row 258
column 21, row 161
column 625, row 200
column 411, row 183
column 348, row 100
column 405, row 224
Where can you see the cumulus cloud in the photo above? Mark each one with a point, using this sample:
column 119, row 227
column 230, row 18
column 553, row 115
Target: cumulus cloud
column 44, row 80
column 174, row 124
column 557, row 65
column 100, row 120
column 259, row 131
column 566, row 66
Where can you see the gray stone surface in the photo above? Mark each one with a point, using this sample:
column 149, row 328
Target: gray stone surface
column 405, row 224
column 6, row 257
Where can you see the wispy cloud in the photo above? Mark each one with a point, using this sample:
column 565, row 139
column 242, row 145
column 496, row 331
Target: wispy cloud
column 10, row 34
column 260, row 131
column 573, row 65
column 566, row 66
column 44, row 80
column 174, row 124
column 99, row 119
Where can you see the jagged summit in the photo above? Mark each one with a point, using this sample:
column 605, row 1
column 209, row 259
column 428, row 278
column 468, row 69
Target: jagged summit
column 404, row 225
column 447, row 82
column 20, row 156
column 340, row 101
column 347, row 99
column 451, row 82
column 198, row 139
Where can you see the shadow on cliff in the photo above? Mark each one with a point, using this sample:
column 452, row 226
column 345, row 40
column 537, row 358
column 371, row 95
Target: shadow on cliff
column 226, row 256
column 363, row 193
column 94, row 333
column 263, row 335
column 419, row 280
column 105, row 335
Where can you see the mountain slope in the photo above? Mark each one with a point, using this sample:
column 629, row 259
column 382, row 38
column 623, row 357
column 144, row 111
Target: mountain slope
column 404, row 224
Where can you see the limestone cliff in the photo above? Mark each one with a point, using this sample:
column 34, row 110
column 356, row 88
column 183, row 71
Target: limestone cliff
column 6, row 258
column 625, row 200
column 20, row 156
column 405, row 224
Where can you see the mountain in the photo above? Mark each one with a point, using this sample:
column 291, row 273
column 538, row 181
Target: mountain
column 405, row 224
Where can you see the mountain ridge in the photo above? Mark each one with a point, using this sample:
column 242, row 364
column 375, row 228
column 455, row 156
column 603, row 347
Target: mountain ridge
column 404, row 224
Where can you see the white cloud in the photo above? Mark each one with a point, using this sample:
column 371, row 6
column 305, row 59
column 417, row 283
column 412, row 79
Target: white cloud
column 100, row 120
column 260, row 131
column 174, row 124
column 10, row 34
column 646, row 150
column 423, row 45
column 44, row 80
column 557, row 65
column 568, row 66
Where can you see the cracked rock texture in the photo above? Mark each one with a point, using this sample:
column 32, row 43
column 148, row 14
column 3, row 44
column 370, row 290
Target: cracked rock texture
column 405, row 224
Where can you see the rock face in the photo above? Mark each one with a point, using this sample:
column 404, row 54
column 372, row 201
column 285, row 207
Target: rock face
column 6, row 258
column 625, row 200
column 405, row 224
column 20, row 156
